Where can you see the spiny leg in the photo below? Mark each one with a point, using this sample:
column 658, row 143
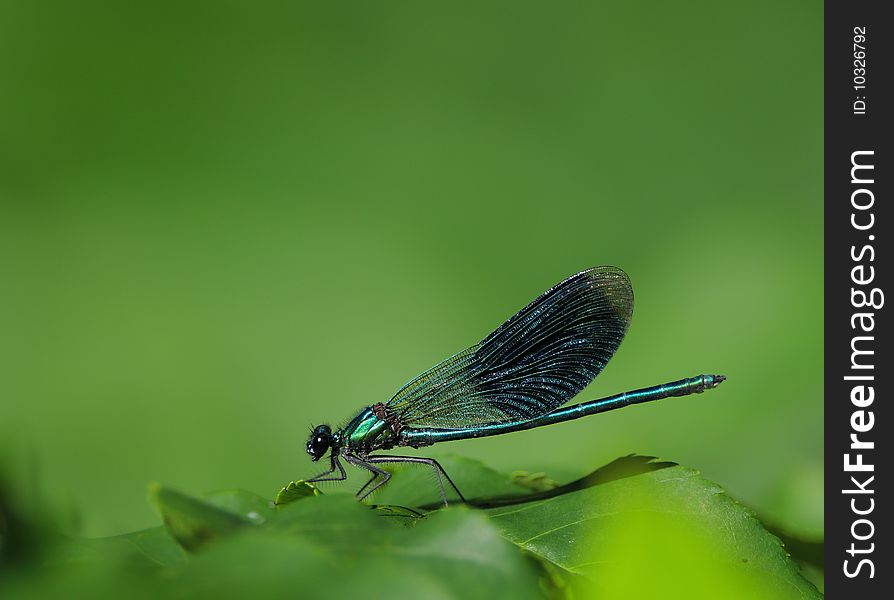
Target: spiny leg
column 375, row 475
column 335, row 465
column 435, row 465
column 376, row 471
column 365, row 485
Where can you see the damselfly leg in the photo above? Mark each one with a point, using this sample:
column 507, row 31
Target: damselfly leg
column 440, row 474
column 335, row 465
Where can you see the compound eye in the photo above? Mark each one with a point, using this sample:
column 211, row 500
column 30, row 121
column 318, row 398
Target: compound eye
column 319, row 442
column 318, row 446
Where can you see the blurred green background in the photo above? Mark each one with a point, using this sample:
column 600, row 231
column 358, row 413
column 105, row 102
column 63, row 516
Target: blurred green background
column 224, row 222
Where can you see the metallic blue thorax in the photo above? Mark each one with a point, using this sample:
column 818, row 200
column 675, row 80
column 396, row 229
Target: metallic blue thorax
column 367, row 432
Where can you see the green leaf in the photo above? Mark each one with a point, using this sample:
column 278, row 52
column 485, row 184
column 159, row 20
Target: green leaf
column 634, row 528
column 333, row 546
column 147, row 548
column 295, row 490
column 193, row 522
column 338, row 520
column 346, row 544
column 156, row 545
column 655, row 534
column 536, row 482
column 251, row 507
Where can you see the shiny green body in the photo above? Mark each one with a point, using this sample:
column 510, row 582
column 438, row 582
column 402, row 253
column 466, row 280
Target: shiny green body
column 366, row 432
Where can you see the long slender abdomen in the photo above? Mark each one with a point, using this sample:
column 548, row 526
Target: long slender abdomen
column 683, row 387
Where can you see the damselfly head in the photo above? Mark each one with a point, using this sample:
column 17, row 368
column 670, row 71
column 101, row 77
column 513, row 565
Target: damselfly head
column 319, row 442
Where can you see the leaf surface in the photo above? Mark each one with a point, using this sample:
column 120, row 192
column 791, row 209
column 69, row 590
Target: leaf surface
column 654, row 534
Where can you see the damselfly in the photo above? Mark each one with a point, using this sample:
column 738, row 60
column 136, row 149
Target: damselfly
column 516, row 378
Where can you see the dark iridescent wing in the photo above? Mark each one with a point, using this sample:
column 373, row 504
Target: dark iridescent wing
column 533, row 363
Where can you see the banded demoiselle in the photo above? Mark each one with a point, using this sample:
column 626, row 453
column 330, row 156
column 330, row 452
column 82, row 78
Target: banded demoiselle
column 516, row 378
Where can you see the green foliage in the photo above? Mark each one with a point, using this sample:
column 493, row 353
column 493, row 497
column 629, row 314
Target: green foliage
column 154, row 547
column 657, row 534
column 295, row 490
column 635, row 528
column 193, row 522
